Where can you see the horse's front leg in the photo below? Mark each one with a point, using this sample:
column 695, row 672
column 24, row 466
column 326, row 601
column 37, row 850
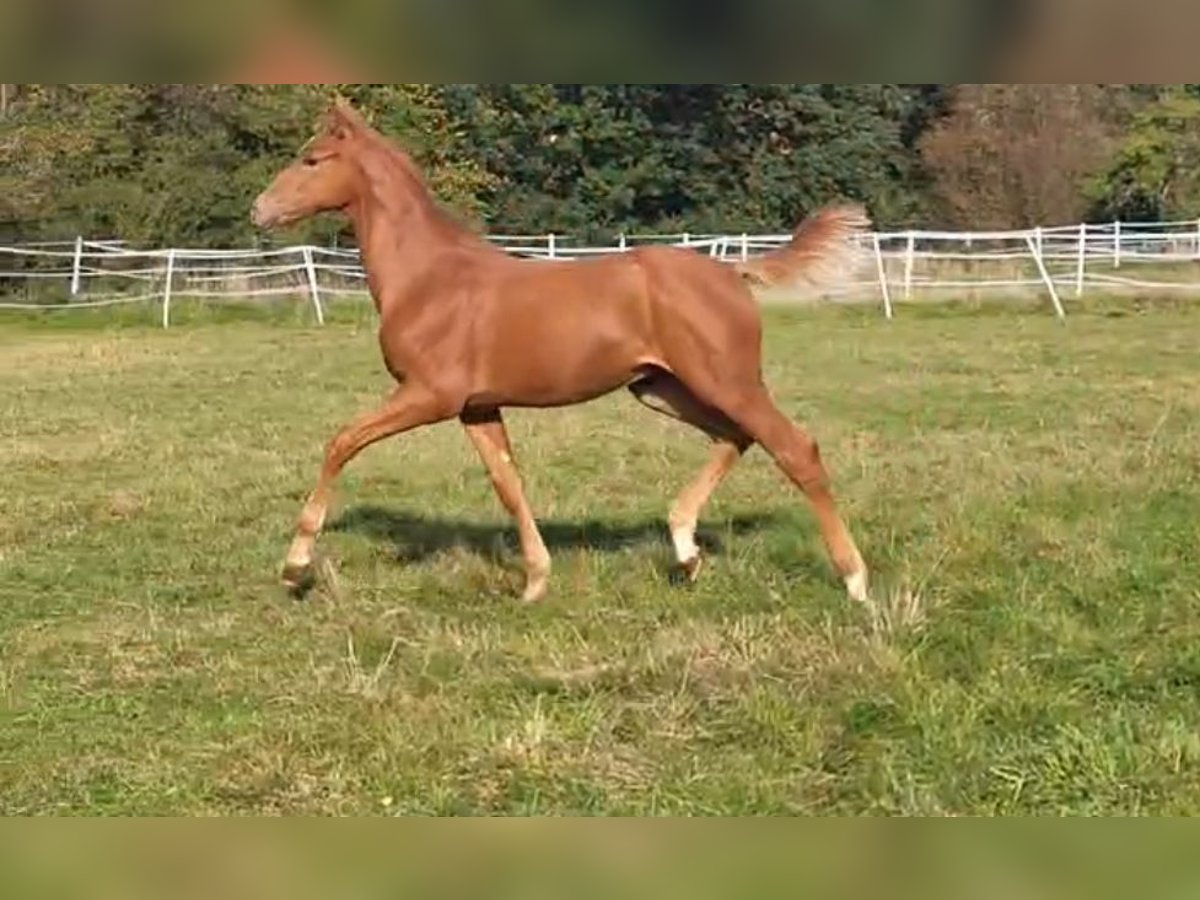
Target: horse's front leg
column 411, row 406
column 487, row 432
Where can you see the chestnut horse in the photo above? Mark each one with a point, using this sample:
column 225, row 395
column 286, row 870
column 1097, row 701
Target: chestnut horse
column 467, row 330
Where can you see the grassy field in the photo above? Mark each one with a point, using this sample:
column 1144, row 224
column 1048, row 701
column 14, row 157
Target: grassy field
column 1028, row 494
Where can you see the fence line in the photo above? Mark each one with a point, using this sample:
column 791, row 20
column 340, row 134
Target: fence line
column 1058, row 261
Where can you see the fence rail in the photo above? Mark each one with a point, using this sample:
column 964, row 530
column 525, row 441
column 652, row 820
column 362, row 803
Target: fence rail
column 907, row 265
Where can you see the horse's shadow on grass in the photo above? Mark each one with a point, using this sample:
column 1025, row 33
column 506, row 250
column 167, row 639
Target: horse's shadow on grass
column 418, row 538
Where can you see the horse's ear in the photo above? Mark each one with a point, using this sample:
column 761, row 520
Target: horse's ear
column 343, row 119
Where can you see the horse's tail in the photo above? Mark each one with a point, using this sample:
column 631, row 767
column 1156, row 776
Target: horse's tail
column 824, row 252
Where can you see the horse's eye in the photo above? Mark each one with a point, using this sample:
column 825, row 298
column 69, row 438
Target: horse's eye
column 311, row 161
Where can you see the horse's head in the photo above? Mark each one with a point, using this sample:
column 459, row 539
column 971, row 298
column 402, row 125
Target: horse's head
column 325, row 178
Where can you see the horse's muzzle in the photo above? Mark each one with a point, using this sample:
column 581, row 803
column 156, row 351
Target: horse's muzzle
column 262, row 215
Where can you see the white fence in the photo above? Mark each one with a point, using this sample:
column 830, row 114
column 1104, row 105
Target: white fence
column 907, row 266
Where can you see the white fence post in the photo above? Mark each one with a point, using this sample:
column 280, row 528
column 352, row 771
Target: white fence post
column 1117, row 244
column 314, row 287
column 1081, row 270
column 745, row 247
column 552, row 246
column 623, row 243
column 166, row 317
column 1041, row 264
column 77, row 269
column 883, row 282
column 910, row 252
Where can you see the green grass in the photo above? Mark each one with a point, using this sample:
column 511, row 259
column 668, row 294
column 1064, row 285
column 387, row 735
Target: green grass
column 1028, row 494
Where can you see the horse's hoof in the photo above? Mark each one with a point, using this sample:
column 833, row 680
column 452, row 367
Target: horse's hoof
column 535, row 591
column 856, row 586
column 299, row 580
column 533, row 596
column 686, row 573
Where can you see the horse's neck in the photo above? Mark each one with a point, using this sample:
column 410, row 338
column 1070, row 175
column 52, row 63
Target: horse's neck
column 398, row 242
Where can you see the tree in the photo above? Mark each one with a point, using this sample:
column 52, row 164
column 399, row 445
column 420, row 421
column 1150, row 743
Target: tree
column 590, row 159
column 1155, row 173
column 1018, row 155
column 181, row 164
column 595, row 159
column 783, row 150
column 74, row 162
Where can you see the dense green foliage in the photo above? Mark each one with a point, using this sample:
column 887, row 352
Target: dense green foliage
column 685, row 157
column 1156, row 171
column 180, row 163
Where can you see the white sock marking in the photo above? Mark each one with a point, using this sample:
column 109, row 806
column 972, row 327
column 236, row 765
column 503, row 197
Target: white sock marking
column 856, row 586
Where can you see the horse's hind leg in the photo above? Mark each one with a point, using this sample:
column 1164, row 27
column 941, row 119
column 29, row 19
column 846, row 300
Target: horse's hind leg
column 685, row 513
column 487, row 433
column 797, row 454
column 665, row 394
